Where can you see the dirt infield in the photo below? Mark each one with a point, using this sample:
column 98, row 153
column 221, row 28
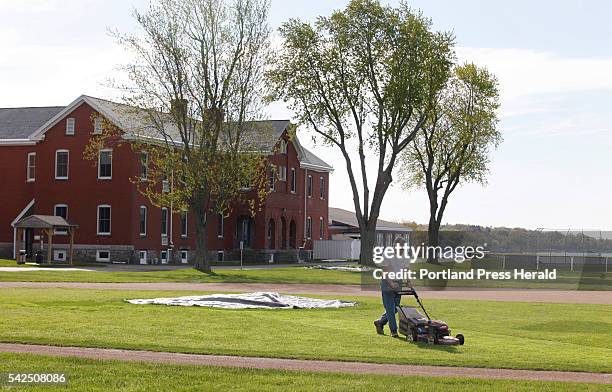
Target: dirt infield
column 520, row 295
column 306, row 365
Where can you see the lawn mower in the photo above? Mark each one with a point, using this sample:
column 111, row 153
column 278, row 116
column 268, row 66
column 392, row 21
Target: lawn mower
column 421, row 328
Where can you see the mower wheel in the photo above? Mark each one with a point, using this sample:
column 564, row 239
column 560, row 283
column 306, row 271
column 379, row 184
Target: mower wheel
column 461, row 339
column 415, row 335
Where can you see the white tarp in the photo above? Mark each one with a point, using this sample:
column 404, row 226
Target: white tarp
column 260, row 300
column 339, row 268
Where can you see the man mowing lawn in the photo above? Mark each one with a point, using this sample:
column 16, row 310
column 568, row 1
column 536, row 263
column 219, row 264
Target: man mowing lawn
column 390, row 298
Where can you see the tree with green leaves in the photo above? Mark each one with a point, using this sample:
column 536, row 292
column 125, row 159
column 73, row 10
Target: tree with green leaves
column 364, row 80
column 194, row 91
column 453, row 146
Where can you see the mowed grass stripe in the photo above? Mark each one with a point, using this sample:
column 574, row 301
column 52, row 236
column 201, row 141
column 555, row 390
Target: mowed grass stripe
column 498, row 335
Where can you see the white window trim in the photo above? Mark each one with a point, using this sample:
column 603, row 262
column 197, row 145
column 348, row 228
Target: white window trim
column 273, row 182
column 222, row 226
column 100, row 166
column 146, row 210
column 184, row 252
column 33, row 178
column 293, row 180
column 98, row 122
column 309, row 228
column 309, row 186
column 67, row 165
column 282, row 173
column 56, row 232
column 162, row 216
column 104, row 259
column 222, row 253
column 322, row 188
column 56, row 251
column 98, row 232
column 321, row 228
column 70, row 126
column 283, row 146
column 146, row 165
column 163, row 257
column 184, row 235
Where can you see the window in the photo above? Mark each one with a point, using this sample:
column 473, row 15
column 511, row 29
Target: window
column 165, row 184
column 309, row 228
column 322, row 187
column 104, row 220
column 61, row 210
column 283, row 146
column 164, row 256
column 61, row 164
column 220, row 225
column 321, row 228
column 103, row 255
column 105, row 165
column 164, row 222
column 144, row 165
column 293, row 180
column 143, row 256
column 272, row 180
column 282, row 173
column 220, row 255
column 98, row 122
column 31, row 172
column 184, row 256
column 309, row 186
column 70, row 126
column 59, row 254
column 184, row 224
column 143, row 221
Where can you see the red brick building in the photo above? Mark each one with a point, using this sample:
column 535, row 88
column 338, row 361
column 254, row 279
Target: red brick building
column 43, row 172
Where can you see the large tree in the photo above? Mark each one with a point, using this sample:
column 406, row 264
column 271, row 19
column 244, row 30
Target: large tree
column 453, row 146
column 363, row 79
column 196, row 83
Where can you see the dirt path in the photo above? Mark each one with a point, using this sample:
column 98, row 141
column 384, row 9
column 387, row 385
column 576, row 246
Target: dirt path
column 522, row 295
column 307, row 365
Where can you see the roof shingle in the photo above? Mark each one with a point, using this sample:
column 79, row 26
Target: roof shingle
column 19, row 123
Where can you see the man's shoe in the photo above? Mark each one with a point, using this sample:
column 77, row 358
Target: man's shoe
column 394, row 335
column 379, row 327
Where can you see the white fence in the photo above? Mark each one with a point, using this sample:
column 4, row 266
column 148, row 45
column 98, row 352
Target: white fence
column 336, row 249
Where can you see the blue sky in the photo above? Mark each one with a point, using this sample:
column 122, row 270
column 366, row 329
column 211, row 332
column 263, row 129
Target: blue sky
column 553, row 60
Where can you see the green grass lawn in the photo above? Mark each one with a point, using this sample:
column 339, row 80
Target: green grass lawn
column 508, row 335
column 95, row 375
column 297, row 274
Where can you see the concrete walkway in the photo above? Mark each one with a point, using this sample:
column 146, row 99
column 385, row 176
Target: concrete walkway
column 519, row 295
column 307, row 365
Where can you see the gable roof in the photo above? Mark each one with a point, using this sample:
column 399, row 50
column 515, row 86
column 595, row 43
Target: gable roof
column 348, row 218
column 20, row 123
column 136, row 122
column 309, row 160
column 42, row 222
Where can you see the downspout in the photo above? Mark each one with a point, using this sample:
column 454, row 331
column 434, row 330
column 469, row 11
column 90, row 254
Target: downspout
column 171, row 217
column 305, row 205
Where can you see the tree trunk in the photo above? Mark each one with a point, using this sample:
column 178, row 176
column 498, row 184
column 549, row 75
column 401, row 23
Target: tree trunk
column 368, row 240
column 433, row 238
column 202, row 263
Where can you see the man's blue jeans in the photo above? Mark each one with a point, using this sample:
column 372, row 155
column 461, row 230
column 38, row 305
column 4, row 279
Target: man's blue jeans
column 390, row 300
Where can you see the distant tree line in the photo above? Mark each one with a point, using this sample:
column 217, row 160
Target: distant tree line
column 503, row 239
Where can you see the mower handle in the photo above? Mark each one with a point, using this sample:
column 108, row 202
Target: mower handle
column 412, row 291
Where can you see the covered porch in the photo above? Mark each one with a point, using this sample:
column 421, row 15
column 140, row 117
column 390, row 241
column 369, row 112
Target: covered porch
column 48, row 225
